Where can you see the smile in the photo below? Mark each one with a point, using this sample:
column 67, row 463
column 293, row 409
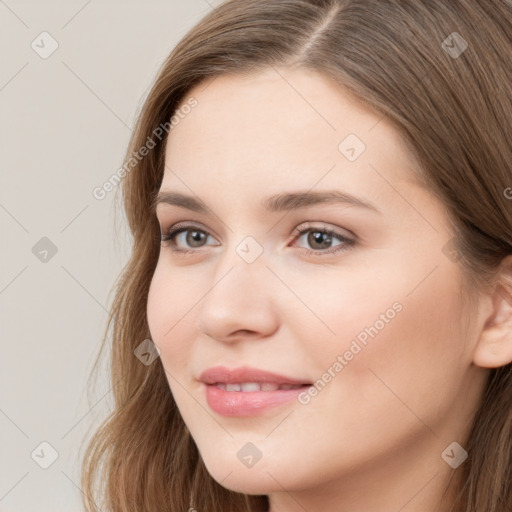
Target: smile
column 256, row 386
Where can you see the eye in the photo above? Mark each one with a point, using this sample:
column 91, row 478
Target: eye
column 192, row 235
column 318, row 238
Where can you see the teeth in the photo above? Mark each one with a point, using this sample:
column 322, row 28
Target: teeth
column 269, row 386
column 255, row 386
column 250, row 386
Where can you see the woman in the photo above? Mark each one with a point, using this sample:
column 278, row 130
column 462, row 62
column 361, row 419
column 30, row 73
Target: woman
column 317, row 313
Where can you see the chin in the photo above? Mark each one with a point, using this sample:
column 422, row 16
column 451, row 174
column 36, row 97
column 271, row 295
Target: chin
column 243, row 480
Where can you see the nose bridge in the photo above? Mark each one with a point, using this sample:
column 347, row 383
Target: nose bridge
column 241, row 266
column 238, row 297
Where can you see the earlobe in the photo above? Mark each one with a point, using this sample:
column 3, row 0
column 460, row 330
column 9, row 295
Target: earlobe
column 494, row 348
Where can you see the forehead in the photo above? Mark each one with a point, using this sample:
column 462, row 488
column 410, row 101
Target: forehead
column 282, row 127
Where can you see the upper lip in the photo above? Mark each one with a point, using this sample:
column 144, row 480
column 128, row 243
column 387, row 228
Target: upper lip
column 221, row 374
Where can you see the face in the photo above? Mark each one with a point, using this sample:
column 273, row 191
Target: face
column 357, row 301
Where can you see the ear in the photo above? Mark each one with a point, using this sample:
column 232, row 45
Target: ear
column 494, row 348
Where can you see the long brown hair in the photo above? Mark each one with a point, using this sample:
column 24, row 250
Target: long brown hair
column 441, row 73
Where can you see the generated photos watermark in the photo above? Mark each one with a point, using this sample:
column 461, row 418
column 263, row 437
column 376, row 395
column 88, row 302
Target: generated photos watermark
column 342, row 360
column 101, row 192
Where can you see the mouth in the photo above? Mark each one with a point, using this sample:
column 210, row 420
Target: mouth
column 251, row 387
column 247, row 391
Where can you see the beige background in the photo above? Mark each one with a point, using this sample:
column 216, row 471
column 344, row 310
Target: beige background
column 65, row 122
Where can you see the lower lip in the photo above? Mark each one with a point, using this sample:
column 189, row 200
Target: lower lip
column 247, row 403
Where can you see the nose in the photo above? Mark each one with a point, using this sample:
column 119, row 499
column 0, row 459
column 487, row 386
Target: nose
column 239, row 303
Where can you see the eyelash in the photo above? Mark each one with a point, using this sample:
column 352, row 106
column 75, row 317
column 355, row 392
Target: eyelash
column 346, row 242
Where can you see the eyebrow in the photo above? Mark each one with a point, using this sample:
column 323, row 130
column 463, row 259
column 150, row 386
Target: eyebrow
column 276, row 203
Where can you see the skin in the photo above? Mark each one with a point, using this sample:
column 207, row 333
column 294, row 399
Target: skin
column 371, row 440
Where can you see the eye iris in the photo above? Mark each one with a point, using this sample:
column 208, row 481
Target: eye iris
column 194, row 236
column 318, row 237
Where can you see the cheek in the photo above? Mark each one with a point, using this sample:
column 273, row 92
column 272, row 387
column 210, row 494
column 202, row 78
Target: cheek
column 400, row 343
column 396, row 313
column 350, row 312
column 169, row 316
column 156, row 307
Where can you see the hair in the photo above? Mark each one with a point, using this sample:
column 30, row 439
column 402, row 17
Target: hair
column 454, row 113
